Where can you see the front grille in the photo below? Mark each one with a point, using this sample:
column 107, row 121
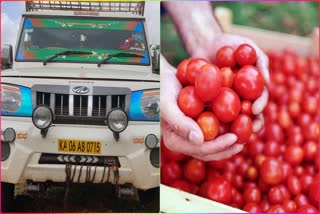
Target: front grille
column 71, row 108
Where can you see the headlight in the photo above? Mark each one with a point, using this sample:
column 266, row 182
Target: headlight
column 42, row 117
column 117, row 120
column 145, row 105
column 16, row 100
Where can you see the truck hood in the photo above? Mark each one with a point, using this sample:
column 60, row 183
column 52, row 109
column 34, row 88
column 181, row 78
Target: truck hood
column 81, row 73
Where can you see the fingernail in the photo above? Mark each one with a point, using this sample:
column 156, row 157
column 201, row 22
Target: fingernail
column 234, row 137
column 195, row 137
column 240, row 146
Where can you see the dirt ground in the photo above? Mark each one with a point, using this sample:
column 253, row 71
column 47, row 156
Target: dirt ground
column 84, row 198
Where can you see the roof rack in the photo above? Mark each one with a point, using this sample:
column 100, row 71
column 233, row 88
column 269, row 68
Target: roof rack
column 133, row 7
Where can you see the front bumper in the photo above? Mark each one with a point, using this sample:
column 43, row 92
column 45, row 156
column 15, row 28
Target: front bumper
column 134, row 156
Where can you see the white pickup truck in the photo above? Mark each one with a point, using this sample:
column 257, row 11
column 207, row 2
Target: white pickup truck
column 81, row 101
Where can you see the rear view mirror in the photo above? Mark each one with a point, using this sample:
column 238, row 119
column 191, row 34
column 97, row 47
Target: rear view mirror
column 6, row 56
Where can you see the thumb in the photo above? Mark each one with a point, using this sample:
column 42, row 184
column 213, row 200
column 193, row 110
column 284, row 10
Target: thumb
column 182, row 125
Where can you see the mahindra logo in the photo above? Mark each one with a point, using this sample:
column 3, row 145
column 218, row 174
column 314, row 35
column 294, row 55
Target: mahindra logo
column 81, row 90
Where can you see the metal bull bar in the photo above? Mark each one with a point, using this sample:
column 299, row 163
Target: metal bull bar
column 90, row 175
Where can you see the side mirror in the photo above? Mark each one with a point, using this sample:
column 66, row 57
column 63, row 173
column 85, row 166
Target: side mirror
column 156, row 61
column 6, row 56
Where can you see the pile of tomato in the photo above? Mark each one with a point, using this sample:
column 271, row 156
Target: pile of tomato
column 221, row 95
column 277, row 171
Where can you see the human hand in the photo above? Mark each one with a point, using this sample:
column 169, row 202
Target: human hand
column 181, row 133
column 209, row 50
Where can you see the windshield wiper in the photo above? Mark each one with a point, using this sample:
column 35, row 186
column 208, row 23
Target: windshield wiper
column 65, row 53
column 109, row 56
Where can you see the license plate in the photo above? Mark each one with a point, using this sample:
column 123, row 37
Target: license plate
column 79, row 146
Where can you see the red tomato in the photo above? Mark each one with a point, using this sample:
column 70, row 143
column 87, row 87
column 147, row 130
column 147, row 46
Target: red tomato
column 245, row 55
column 170, row 172
column 252, row 195
column 237, row 198
column 275, row 195
column 286, row 169
column 182, row 185
column 271, row 110
column 242, row 127
column 310, row 169
column 195, row 171
column 271, row 148
column 252, row 208
column 288, row 65
column 243, row 168
column 277, row 208
column 271, row 171
column 307, row 208
column 223, row 128
column 294, row 109
column 227, row 76
column 238, row 160
column 295, row 95
column 301, row 66
column 248, row 82
column 310, row 149
column 218, row 190
column 301, row 200
column 182, row 72
column 246, row 107
column 209, row 125
column 285, row 191
column 259, row 159
column 218, row 164
column 226, row 105
column 314, row 194
column 289, row 205
column 284, row 118
column 263, row 186
column 256, row 147
column 295, row 139
column 194, row 67
column 249, row 184
column 230, row 166
column 306, row 180
column 208, row 82
column 264, row 205
column 252, row 173
column 274, row 132
column 304, row 119
column 237, row 181
column 227, row 175
column 225, row 57
column 310, row 105
column 189, row 102
column 194, row 188
column 278, row 78
column 294, row 185
column 298, row 170
column 212, row 173
column 311, row 131
column 294, row 155
column 312, row 85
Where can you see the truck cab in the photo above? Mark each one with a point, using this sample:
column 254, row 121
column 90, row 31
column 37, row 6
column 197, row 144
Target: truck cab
column 81, row 101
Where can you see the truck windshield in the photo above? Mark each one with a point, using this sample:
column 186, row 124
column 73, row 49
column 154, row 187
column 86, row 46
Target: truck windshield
column 43, row 37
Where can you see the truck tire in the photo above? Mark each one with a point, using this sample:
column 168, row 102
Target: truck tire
column 7, row 197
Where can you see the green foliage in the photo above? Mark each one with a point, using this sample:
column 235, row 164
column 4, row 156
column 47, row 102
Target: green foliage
column 290, row 17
